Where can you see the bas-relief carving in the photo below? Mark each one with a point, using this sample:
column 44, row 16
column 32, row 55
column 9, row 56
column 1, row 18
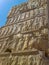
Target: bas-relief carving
column 38, row 39
column 24, row 60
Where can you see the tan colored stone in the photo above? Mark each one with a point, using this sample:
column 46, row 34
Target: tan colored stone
column 24, row 38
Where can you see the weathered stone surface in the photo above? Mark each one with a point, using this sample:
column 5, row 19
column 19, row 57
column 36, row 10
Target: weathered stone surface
column 24, row 38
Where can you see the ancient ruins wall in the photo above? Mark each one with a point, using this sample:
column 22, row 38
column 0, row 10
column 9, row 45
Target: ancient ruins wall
column 24, row 38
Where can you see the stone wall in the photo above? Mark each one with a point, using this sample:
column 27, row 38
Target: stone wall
column 24, row 38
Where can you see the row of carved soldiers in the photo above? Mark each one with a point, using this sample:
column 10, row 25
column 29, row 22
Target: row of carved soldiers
column 26, row 42
column 22, row 60
column 41, row 10
column 32, row 25
column 28, row 14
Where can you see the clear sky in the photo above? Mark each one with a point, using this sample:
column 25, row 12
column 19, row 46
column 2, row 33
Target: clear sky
column 5, row 6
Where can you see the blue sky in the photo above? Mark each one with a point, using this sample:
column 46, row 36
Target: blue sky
column 5, row 6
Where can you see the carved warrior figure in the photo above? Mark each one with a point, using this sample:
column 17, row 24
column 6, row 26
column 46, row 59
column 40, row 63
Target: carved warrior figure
column 24, row 38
